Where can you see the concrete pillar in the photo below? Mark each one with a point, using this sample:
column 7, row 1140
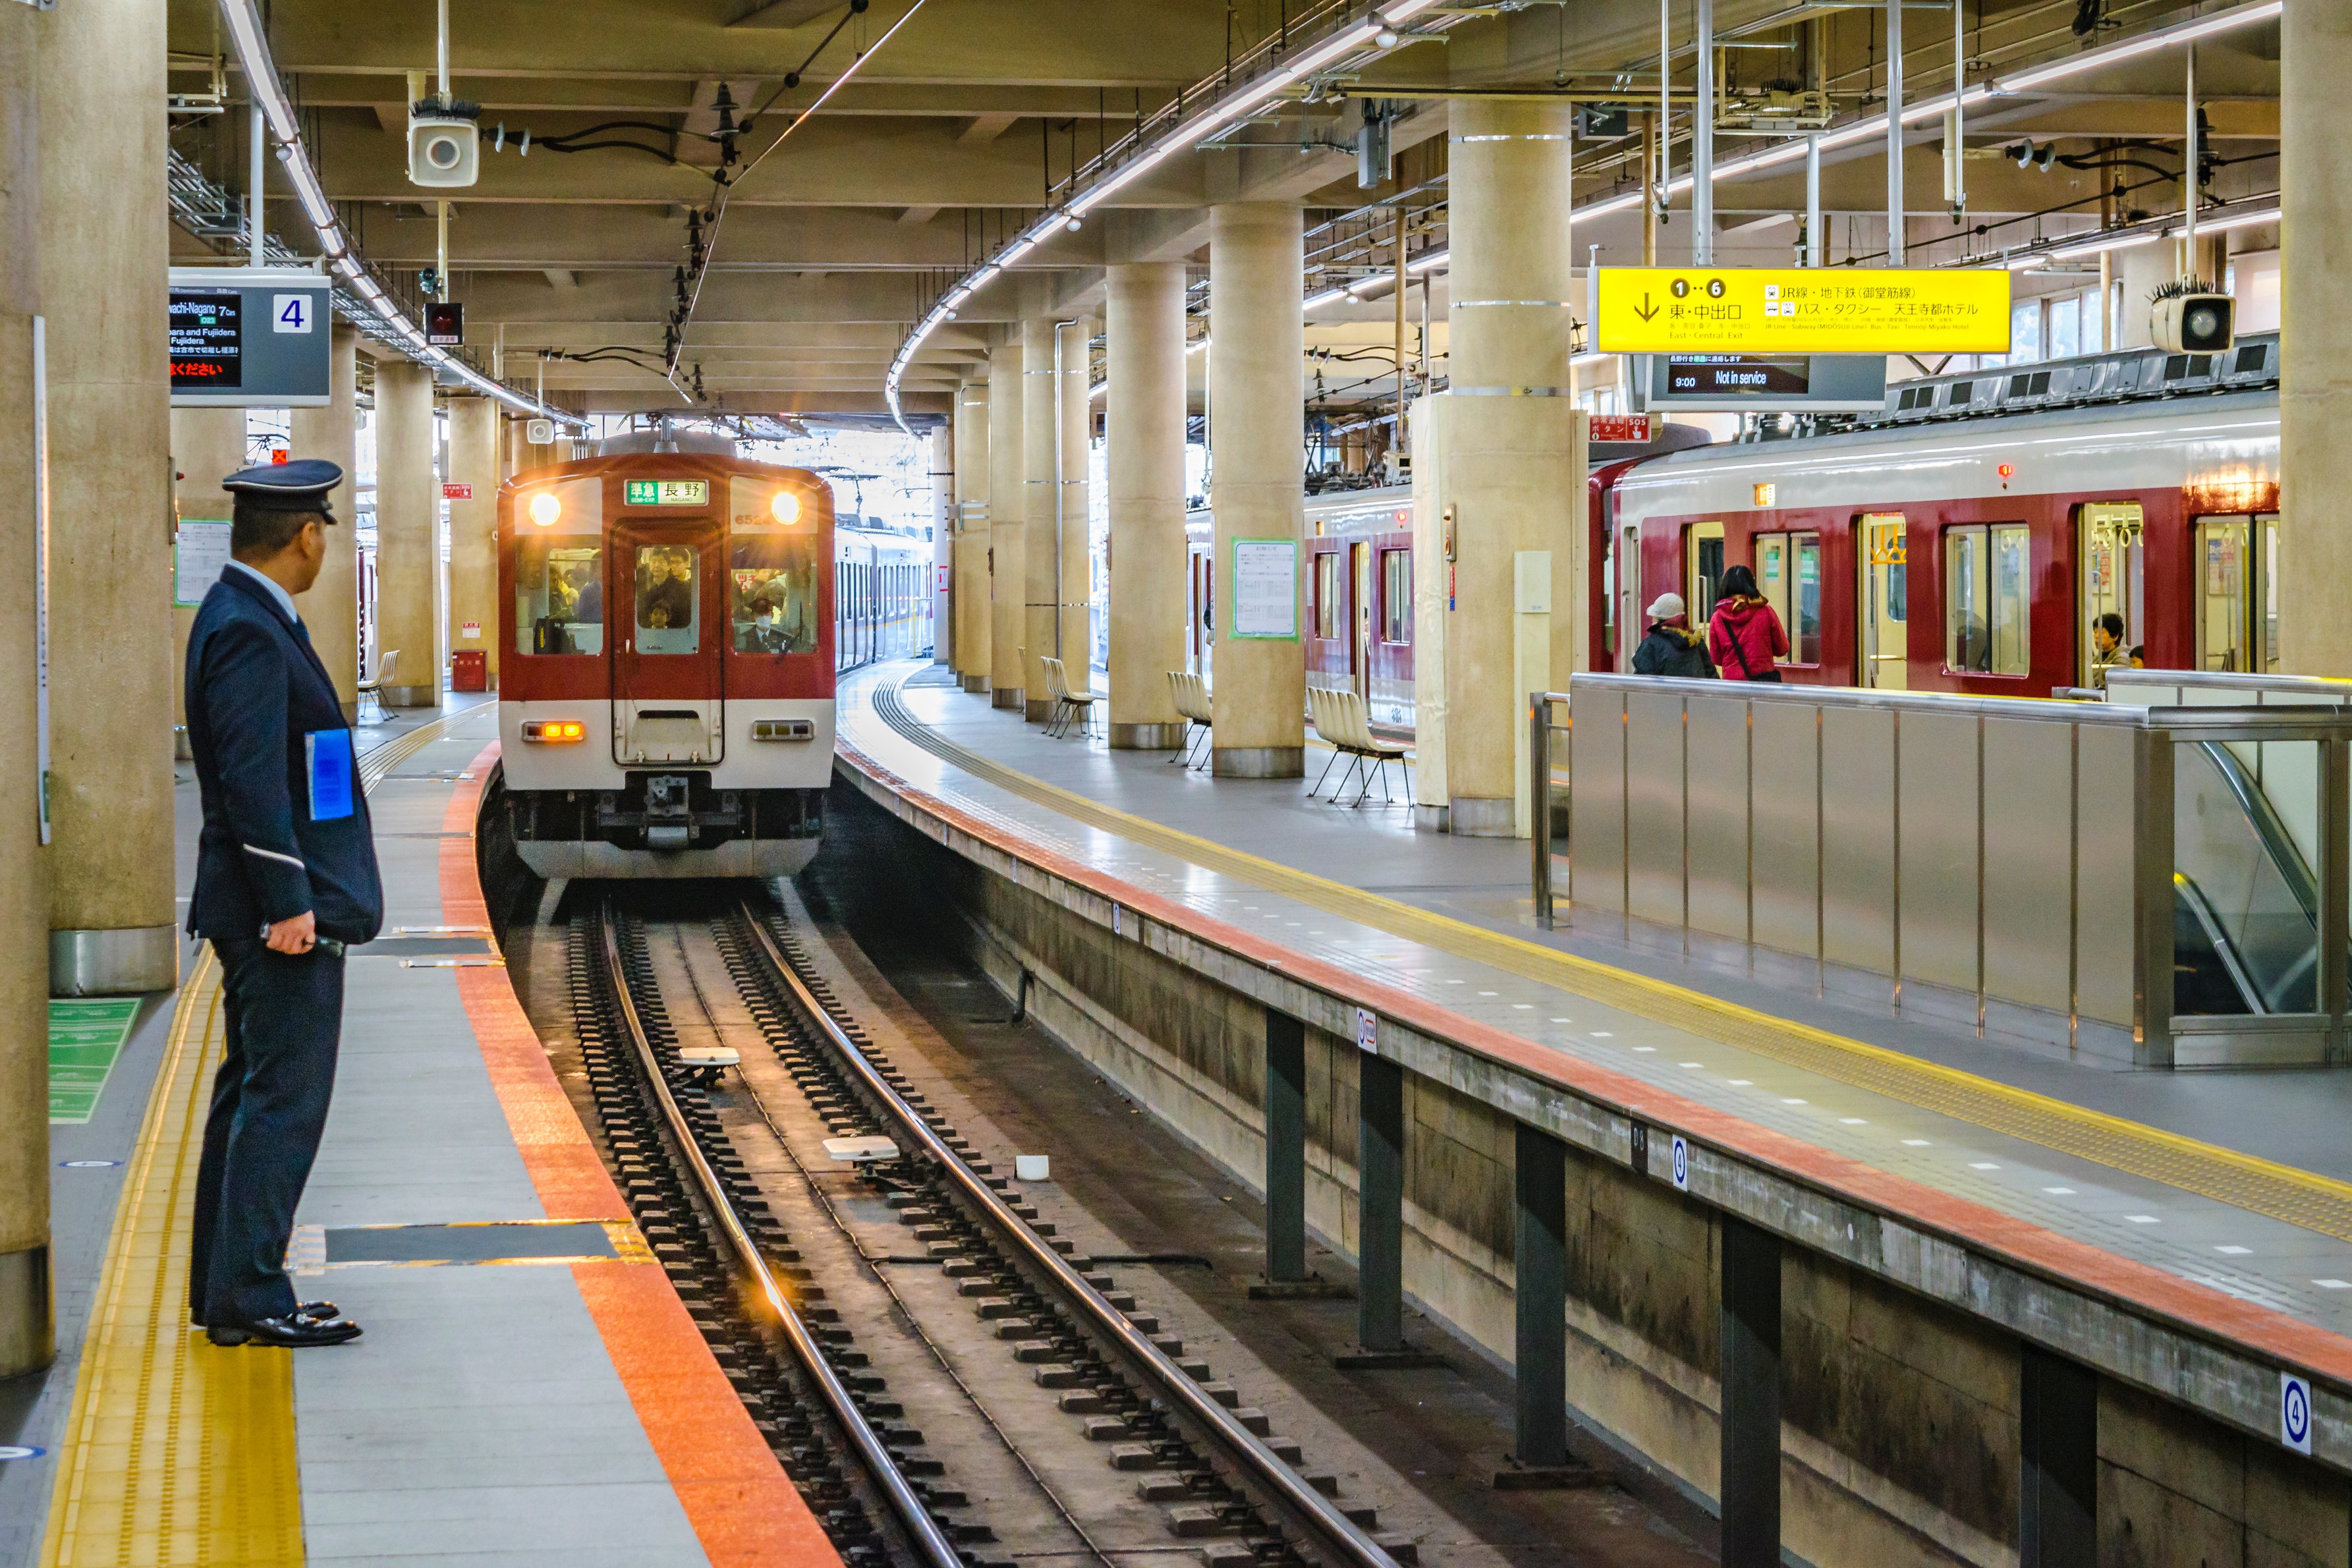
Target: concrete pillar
column 2316, row 336
column 1144, row 473
column 974, row 619
column 1504, row 478
column 331, row 608
column 1750, row 1369
column 27, row 1331
column 474, row 531
column 1257, row 358
column 1073, row 642
column 2142, row 269
column 1379, row 1203
column 2058, row 1461
column 104, row 250
column 1042, row 538
column 1540, row 1296
column 407, row 560
column 936, row 589
column 207, row 445
column 1007, row 515
column 1285, row 1146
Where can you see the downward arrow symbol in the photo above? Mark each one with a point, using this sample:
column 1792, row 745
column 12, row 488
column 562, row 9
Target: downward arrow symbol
column 1648, row 311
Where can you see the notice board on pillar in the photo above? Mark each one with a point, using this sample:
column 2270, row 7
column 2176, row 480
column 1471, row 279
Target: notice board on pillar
column 199, row 551
column 1266, row 589
column 249, row 337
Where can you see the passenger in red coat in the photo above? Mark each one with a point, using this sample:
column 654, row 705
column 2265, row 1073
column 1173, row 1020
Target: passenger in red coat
column 1745, row 636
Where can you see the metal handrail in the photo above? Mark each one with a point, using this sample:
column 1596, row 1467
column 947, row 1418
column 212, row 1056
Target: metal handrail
column 1539, row 733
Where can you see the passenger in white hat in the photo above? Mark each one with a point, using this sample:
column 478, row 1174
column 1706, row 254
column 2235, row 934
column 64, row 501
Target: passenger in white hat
column 1671, row 648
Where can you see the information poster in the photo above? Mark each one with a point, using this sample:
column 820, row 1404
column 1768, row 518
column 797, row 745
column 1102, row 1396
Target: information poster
column 197, row 557
column 1266, row 589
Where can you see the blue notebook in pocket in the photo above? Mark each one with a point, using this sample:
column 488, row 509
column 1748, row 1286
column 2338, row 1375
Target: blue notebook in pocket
column 329, row 754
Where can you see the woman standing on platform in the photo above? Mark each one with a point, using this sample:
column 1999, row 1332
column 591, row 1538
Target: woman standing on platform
column 1745, row 636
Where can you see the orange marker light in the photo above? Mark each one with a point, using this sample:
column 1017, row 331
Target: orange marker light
column 555, row 731
column 2006, row 471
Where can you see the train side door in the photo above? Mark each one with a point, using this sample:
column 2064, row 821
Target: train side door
column 1633, row 610
column 1360, row 579
column 1702, row 570
column 668, row 701
column 2237, row 594
column 1883, row 630
column 2107, row 578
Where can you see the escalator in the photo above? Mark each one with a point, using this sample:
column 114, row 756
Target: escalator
column 2245, row 900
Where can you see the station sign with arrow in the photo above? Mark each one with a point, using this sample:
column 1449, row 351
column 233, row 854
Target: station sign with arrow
column 1799, row 310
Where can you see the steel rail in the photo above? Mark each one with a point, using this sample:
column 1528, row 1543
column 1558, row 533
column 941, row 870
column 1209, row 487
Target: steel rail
column 1345, row 1538
column 930, row 1539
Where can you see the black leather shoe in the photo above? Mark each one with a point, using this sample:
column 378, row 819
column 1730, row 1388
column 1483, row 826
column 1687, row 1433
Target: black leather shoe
column 324, row 1311
column 295, row 1332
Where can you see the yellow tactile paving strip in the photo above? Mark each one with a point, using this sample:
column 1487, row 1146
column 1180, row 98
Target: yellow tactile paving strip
column 176, row 1451
column 2260, row 1187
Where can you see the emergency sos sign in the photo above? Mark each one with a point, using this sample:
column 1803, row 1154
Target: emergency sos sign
column 249, row 337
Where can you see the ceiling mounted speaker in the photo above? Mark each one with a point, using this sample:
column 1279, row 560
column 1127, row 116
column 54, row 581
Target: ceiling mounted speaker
column 445, row 145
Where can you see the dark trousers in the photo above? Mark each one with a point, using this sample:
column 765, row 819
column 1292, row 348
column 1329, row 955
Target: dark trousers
column 270, row 1104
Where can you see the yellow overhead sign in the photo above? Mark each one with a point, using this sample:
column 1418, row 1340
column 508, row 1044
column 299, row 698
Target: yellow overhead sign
column 1800, row 310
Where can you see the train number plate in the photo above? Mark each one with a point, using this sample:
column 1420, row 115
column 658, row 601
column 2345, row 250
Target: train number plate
column 666, row 493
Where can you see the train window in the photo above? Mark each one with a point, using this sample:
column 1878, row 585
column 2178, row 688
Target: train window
column 1788, row 570
column 1328, row 601
column 559, row 596
column 771, row 595
column 2237, row 594
column 1396, row 595
column 670, row 599
column 1987, row 602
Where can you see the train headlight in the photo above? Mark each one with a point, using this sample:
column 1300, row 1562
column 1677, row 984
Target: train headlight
column 545, row 509
column 785, row 508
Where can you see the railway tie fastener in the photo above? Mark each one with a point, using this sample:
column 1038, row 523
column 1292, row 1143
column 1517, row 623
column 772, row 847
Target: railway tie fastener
column 1225, row 1481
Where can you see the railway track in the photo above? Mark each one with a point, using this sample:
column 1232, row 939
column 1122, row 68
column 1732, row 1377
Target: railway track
column 984, row 1396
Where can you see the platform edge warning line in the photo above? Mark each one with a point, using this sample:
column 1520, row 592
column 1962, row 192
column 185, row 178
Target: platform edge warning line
column 174, row 1451
column 743, row 1508
column 2301, row 1198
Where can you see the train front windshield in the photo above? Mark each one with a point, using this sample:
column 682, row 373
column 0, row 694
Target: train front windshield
column 773, row 593
column 559, row 596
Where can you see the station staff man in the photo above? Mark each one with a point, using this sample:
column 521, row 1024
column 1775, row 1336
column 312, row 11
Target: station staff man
column 286, row 876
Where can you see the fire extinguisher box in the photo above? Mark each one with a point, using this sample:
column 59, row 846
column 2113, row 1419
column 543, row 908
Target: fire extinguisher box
column 469, row 670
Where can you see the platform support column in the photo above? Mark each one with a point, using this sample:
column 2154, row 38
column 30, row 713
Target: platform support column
column 104, row 239
column 27, row 1338
column 473, row 531
column 1286, row 1148
column 1144, row 472
column 207, row 445
column 1040, row 450
column 1751, row 1357
column 973, row 616
column 407, row 562
column 2058, row 1461
column 1380, row 1205
column 1258, row 359
column 331, row 608
column 1008, row 513
column 2315, row 566
column 1541, row 1295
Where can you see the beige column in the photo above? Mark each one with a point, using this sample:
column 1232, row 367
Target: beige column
column 207, row 445
column 937, row 586
column 1074, row 631
column 2142, row 269
column 331, row 608
column 472, row 531
column 1143, row 472
column 1007, row 485
column 1257, row 398
column 27, row 1333
column 407, row 560
column 104, row 241
column 973, row 617
column 1510, row 472
column 2316, row 339
column 1040, row 451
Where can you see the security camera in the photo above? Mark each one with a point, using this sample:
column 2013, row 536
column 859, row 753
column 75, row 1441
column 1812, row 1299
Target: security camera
column 445, row 144
column 2191, row 319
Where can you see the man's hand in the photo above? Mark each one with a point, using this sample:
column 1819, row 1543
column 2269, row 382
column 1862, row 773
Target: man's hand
column 295, row 936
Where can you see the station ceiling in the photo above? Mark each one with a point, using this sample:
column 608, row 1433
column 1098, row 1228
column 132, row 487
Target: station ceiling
column 959, row 123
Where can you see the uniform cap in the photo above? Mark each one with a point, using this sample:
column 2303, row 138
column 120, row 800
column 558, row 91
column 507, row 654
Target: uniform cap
column 298, row 486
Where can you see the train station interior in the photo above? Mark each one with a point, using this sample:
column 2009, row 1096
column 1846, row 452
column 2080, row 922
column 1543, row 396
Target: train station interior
column 1492, row 784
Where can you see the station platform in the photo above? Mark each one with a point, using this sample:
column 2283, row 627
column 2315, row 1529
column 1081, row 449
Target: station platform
column 2216, row 1204
column 529, row 1388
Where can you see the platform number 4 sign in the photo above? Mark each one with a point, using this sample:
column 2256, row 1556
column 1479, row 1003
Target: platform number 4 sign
column 2294, row 1412
column 1682, row 1164
column 291, row 313
column 1368, row 1031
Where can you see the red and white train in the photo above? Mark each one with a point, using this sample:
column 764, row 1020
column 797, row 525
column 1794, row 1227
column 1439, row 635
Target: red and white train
column 1966, row 540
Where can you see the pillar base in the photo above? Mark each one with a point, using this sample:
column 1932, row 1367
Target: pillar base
column 1037, row 709
column 113, row 962
column 1004, row 696
column 978, row 683
column 28, row 1331
column 1480, row 816
column 1257, row 761
column 1432, row 819
column 410, row 697
column 1146, row 737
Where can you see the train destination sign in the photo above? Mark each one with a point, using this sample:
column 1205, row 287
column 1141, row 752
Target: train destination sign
column 248, row 337
column 1800, row 310
column 665, row 492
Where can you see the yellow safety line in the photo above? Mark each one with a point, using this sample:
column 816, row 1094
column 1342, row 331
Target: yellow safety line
column 2281, row 1192
column 176, row 1451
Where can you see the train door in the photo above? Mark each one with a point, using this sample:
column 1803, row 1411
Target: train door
column 2237, row 594
column 1702, row 569
column 1359, row 652
column 2108, row 576
column 1883, row 630
column 668, row 705
column 1633, row 610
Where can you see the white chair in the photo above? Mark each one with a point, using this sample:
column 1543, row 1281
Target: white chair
column 374, row 687
column 1191, row 694
column 1068, row 704
column 1344, row 719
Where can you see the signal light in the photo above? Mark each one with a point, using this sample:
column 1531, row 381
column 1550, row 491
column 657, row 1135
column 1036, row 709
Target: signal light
column 785, row 508
column 555, row 731
column 545, row 509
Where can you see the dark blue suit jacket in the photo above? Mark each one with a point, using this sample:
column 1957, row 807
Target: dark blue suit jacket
column 259, row 703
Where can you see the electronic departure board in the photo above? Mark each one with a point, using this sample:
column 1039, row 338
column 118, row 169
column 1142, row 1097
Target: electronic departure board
column 206, row 341
column 1763, row 383
column 242, row 336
